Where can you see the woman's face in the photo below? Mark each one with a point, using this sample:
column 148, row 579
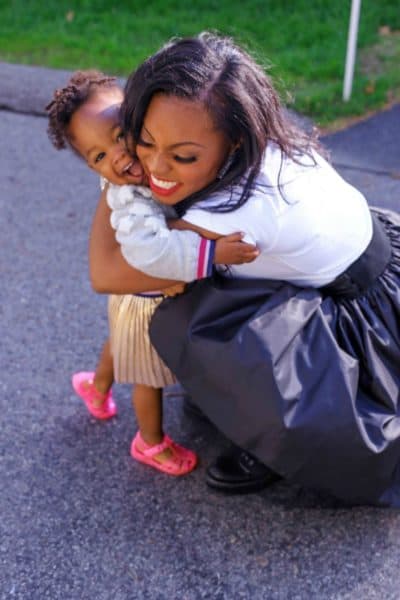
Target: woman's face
column 179, row 147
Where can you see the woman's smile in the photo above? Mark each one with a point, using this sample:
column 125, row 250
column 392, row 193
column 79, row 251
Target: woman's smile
column 162, row 186
column 180, row 148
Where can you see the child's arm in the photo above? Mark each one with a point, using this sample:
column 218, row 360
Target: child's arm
column 229, row 249
column 109, row 272
column 149, row 245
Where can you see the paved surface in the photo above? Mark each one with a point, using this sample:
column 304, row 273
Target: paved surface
column 79, row 519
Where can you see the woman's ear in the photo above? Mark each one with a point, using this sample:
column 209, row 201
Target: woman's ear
column 227, row 164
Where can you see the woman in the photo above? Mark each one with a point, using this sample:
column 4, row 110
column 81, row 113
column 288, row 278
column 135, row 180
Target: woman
column 295, row 358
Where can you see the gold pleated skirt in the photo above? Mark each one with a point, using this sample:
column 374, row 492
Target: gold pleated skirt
column 135, row 358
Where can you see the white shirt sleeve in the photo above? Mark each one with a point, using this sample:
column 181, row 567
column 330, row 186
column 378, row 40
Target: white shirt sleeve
column 146, row 242
column 308, row 223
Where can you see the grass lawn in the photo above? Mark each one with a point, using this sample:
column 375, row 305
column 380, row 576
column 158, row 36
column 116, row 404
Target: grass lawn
column 302, row 41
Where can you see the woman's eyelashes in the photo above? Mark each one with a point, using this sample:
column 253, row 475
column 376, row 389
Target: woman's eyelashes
column 185, row 159
column 181, row 159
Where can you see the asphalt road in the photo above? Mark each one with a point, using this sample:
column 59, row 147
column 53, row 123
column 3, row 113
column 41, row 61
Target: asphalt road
column 79, row 519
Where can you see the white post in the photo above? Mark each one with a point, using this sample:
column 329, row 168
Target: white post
column 351, row 49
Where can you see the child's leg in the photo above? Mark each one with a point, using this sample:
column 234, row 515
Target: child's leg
column 147, row 404
column 104, row 374
column 150, row 445
column 95, row 388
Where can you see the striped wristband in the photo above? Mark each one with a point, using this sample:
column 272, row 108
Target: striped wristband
column 206, row 258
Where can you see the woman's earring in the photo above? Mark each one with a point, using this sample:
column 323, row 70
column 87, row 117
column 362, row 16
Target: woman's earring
column 226, row 166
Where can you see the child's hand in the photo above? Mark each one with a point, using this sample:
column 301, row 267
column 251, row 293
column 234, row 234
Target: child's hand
column 174, row 290
column 230, row 250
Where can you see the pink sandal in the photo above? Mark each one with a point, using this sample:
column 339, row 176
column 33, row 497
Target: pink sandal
column 89, row 395
column 181, row 462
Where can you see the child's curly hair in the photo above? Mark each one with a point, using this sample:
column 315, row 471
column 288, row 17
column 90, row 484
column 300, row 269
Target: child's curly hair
column 68, row 99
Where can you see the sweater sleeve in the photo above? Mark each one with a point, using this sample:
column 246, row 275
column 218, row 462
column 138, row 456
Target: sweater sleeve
column 146, row 242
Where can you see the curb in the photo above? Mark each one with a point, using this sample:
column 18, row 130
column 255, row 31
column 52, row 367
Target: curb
column 27, row 89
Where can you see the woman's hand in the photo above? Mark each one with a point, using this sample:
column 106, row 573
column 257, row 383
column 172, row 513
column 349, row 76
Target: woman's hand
column 174, row 290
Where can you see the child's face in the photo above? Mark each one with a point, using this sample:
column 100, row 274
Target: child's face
column 179, row 147
column 95, row 134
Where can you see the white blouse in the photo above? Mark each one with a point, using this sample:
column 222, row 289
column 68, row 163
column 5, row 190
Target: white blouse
column 308, row 223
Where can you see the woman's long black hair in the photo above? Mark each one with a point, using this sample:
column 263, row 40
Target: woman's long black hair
column 238, row 95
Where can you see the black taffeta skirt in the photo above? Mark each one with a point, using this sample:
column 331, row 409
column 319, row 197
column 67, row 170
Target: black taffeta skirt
column 306, row 382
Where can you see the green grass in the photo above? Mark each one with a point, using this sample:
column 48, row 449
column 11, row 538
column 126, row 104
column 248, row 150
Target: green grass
column 304, row 41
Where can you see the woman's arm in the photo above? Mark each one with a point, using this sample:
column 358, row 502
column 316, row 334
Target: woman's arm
column 109, row 272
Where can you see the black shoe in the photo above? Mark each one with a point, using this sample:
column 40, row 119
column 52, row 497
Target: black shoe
column 238, row 472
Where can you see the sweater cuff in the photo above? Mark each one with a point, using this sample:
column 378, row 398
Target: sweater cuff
column 206, row 258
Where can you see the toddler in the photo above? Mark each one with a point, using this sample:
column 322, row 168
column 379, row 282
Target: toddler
column 84, row 116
